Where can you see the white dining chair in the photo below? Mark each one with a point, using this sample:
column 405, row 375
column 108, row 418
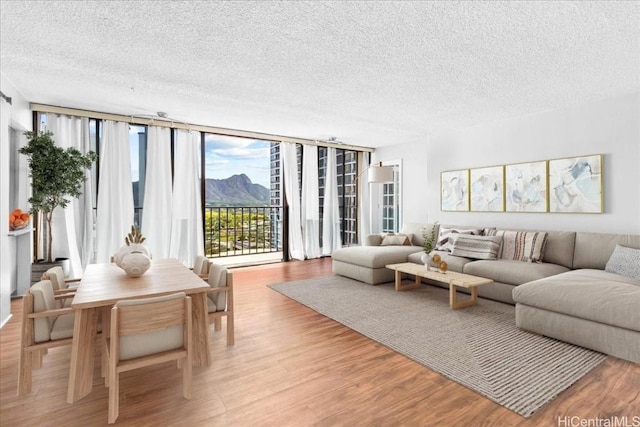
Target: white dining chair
column 220, row 299
column 45, row 325
column 146, row 332
column 201, row 266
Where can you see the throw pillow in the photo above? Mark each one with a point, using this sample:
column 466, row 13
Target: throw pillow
column 491, row 231
column 446, row 237
column 625, row 262
column 525, row 246
column 393, row 239
column 477, row 247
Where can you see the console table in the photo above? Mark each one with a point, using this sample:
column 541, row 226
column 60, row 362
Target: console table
column 20, row 265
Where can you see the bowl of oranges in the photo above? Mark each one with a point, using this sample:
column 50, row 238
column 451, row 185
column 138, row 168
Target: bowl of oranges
column 18, row 219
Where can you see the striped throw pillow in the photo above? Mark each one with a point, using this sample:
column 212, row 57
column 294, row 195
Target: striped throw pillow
column 476, row 247
column 446, row 236
column 525, row 246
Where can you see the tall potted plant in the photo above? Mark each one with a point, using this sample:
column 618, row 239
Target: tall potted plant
column 57, row 175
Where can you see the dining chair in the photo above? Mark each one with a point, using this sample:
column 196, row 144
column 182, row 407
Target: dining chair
column 220, row 299
column 201, row 266
column 60, row 284
column 146, row 332
column 44, row 325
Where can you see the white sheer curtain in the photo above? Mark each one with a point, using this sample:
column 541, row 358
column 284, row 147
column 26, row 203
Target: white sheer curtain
column 187, row 239
column 115, row 192
column 73, row 226
column 292, row 192
column 158, row 198
column 331, row 212
column 310, row 204
column 364, row 211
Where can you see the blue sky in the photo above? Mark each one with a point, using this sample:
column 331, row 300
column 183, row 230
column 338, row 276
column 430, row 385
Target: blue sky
column 226, row 156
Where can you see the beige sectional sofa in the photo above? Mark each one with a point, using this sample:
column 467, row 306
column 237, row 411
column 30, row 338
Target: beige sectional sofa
column 567, row 296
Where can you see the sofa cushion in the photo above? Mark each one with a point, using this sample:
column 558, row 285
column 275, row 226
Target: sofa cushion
column 373, row 240
column 512, row 272
column 589, row 294
column 415, row 258
column 399, row 239
column 476, row 247
column 624, row 261
column 374, row 256
column 446, row 236
column 418, row 231
column 559, row 248
column 593, row 250
column 525, row 246
column 454, row 263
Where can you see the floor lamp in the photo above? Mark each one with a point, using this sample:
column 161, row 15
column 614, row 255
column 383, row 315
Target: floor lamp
column 377, row 174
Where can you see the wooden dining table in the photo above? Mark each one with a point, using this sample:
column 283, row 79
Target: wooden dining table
column 102, row 285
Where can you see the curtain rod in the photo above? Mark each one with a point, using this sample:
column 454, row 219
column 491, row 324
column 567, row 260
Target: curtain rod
column 43, row 108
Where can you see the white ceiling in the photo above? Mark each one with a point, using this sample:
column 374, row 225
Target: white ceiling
column 369, row 73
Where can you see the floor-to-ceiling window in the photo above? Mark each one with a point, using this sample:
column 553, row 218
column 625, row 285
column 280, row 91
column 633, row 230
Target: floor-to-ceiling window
column 275, row 195
column 347, row 167
column 391, row 202
column 138, row 157
column 138, row 150
column 257, row 219
column 241, row 205
column 347, row 161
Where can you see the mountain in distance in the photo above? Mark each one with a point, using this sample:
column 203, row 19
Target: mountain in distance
column 237, row 190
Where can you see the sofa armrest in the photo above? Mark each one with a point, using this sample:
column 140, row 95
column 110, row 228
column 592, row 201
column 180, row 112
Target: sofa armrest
column 373, row 240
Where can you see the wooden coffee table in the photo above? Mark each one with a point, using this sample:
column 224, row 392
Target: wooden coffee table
column 453, row 278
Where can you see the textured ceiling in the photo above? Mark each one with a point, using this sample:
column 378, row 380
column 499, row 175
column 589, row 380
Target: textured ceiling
column 369, row 73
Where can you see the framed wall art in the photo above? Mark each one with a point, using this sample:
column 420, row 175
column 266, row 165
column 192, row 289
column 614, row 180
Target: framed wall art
column 487, row 189
column 526, row 187
column 454, row 190
column 575, row 184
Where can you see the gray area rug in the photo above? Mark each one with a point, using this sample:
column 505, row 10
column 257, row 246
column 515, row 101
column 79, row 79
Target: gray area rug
column 479, row 346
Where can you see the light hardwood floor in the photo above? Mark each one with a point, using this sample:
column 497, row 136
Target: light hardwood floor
column 291, row 366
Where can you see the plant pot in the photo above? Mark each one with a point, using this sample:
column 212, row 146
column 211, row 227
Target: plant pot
column 39, row 267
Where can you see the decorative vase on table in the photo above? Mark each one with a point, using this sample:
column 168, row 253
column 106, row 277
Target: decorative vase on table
column 134, row 258
column 428, row 245
column 426, row 259
column 135, row 264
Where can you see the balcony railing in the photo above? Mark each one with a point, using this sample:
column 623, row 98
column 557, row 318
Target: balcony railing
column 242, row 230
column 237, row 230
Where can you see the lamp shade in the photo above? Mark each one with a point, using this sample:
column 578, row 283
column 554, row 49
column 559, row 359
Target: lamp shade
column 379, row 174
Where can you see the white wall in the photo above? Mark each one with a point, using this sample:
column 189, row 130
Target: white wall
column 19, row 117
column 610, row 127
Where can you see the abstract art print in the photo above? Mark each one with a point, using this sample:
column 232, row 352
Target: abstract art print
column 575, row 184
column 487, row 188
column 454, row 190
column 526, row 187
